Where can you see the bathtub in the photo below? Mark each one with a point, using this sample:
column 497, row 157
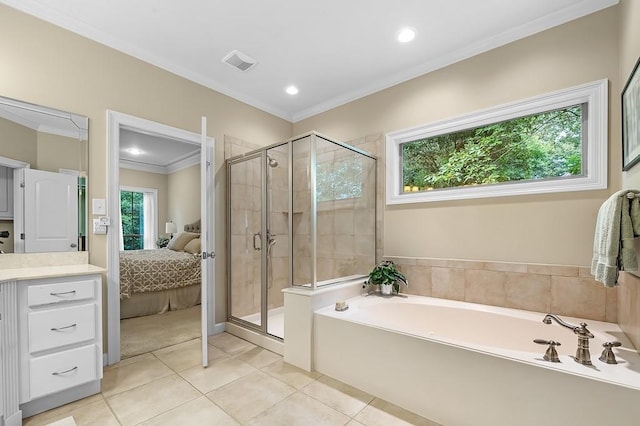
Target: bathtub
column 461, row 363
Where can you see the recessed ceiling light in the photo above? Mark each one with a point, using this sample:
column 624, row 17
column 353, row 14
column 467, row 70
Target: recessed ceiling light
column 405, row 35
column 292, row 90
column 134, row 151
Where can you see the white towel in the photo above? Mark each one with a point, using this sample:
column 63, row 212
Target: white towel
column 613, row 226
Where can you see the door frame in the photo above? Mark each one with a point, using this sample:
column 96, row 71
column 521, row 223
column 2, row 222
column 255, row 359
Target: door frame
column 115, row 121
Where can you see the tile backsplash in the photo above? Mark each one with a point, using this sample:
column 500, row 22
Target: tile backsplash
column 629, row 307
column 563, row 290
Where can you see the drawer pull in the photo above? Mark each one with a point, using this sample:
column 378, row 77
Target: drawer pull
column 64, row 328
column 60, row 373
column 63, row 293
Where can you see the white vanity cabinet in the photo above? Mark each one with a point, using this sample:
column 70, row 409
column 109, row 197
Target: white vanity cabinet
column 60, row 334
column 52, row 342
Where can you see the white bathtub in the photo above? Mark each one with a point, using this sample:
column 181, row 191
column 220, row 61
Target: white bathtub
column 466, row 364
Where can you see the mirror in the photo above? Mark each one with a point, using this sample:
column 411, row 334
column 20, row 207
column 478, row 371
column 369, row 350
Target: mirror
column 44, row 139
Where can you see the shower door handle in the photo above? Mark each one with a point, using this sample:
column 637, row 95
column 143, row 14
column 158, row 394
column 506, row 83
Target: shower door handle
column 256, row 246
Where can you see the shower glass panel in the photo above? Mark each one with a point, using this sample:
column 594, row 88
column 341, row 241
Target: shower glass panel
column 245, row 274
column 303, row 259
column 300, row 213
column 345, row 212
column 277, row 241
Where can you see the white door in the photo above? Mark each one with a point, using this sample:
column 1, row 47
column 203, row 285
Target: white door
column 207, row 235
column 50, row 211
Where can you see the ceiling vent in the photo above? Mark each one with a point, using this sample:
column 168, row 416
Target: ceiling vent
column 239, row 60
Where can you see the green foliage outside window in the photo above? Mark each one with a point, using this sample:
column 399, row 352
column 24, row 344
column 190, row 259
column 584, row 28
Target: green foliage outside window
column 132, row 211
column 540, row 146
column 339, row 179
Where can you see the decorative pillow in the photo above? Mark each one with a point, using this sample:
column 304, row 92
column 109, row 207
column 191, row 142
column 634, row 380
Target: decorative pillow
column 193, row 246
column 180, row 240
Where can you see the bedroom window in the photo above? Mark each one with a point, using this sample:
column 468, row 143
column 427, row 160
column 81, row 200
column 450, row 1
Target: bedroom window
column 551, row 143
column 138, row 218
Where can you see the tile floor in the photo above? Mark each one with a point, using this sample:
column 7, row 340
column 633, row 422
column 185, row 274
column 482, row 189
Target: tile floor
column 243, row 385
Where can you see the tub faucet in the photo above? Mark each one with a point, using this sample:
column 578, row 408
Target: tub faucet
column 583, row 356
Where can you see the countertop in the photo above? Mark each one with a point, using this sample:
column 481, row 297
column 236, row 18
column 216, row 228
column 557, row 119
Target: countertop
column 29, row 273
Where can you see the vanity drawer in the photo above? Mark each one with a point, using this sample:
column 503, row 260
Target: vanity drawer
column 61, row 326
column 62, row 370
column 61, row 292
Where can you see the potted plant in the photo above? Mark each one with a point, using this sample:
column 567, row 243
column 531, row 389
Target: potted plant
column 387, row 276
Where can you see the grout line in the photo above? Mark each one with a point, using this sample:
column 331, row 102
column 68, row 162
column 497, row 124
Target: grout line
column 113, row 413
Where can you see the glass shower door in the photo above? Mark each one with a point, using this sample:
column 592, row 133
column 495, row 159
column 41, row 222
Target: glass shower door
column 245, row 231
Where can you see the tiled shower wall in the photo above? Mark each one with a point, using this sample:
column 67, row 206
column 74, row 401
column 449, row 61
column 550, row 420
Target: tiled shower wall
column 245, row 261
column 346, row 227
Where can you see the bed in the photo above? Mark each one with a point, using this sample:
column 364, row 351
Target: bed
column 156, row 281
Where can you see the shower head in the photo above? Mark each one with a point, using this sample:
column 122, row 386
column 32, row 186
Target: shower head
column 272, row 161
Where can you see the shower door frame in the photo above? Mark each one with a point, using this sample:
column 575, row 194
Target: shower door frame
column 264, row 240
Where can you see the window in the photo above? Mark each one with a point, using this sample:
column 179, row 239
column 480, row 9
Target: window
column 551, row 143
column 138, row 218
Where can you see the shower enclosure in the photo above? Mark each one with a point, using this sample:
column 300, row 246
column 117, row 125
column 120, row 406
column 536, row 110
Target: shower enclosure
column 300, row 213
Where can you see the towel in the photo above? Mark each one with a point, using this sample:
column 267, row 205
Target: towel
column 613, row 241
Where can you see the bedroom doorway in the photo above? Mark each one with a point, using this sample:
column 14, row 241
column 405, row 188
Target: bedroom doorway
column 182, row 293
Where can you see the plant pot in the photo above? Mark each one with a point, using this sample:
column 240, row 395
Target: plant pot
column 386, row 289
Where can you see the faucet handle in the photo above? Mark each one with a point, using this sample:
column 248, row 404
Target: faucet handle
column 551, row 354
column 583, row 331
column 607, row 354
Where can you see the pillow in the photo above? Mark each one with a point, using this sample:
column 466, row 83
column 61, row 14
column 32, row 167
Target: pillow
column 180, row 240
column 193, row 246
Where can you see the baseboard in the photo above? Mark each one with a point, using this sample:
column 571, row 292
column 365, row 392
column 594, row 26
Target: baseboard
column 218, row 328
column 45, row 403
column 14, row 420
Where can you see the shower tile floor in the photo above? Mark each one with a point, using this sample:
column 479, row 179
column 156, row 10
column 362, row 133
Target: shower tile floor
column 275, row 321
column 243, row 385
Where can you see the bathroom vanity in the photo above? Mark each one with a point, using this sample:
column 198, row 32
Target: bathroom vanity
column 50, row 337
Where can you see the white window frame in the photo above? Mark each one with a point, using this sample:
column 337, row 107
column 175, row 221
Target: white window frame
column 594, row 94
column 150, row 206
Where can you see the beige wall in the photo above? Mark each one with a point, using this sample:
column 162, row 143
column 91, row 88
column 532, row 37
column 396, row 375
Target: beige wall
column 49, row 66
column 18, row 142
column 629, row 290
column 129, row 177
column 43, row 151
column 184, row 196
column 551, row 229
column 59, row 152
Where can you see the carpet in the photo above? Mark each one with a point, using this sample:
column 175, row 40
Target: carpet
column 149, row 333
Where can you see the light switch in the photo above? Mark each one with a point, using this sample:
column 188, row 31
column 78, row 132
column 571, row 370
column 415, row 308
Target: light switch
column 98, row 206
